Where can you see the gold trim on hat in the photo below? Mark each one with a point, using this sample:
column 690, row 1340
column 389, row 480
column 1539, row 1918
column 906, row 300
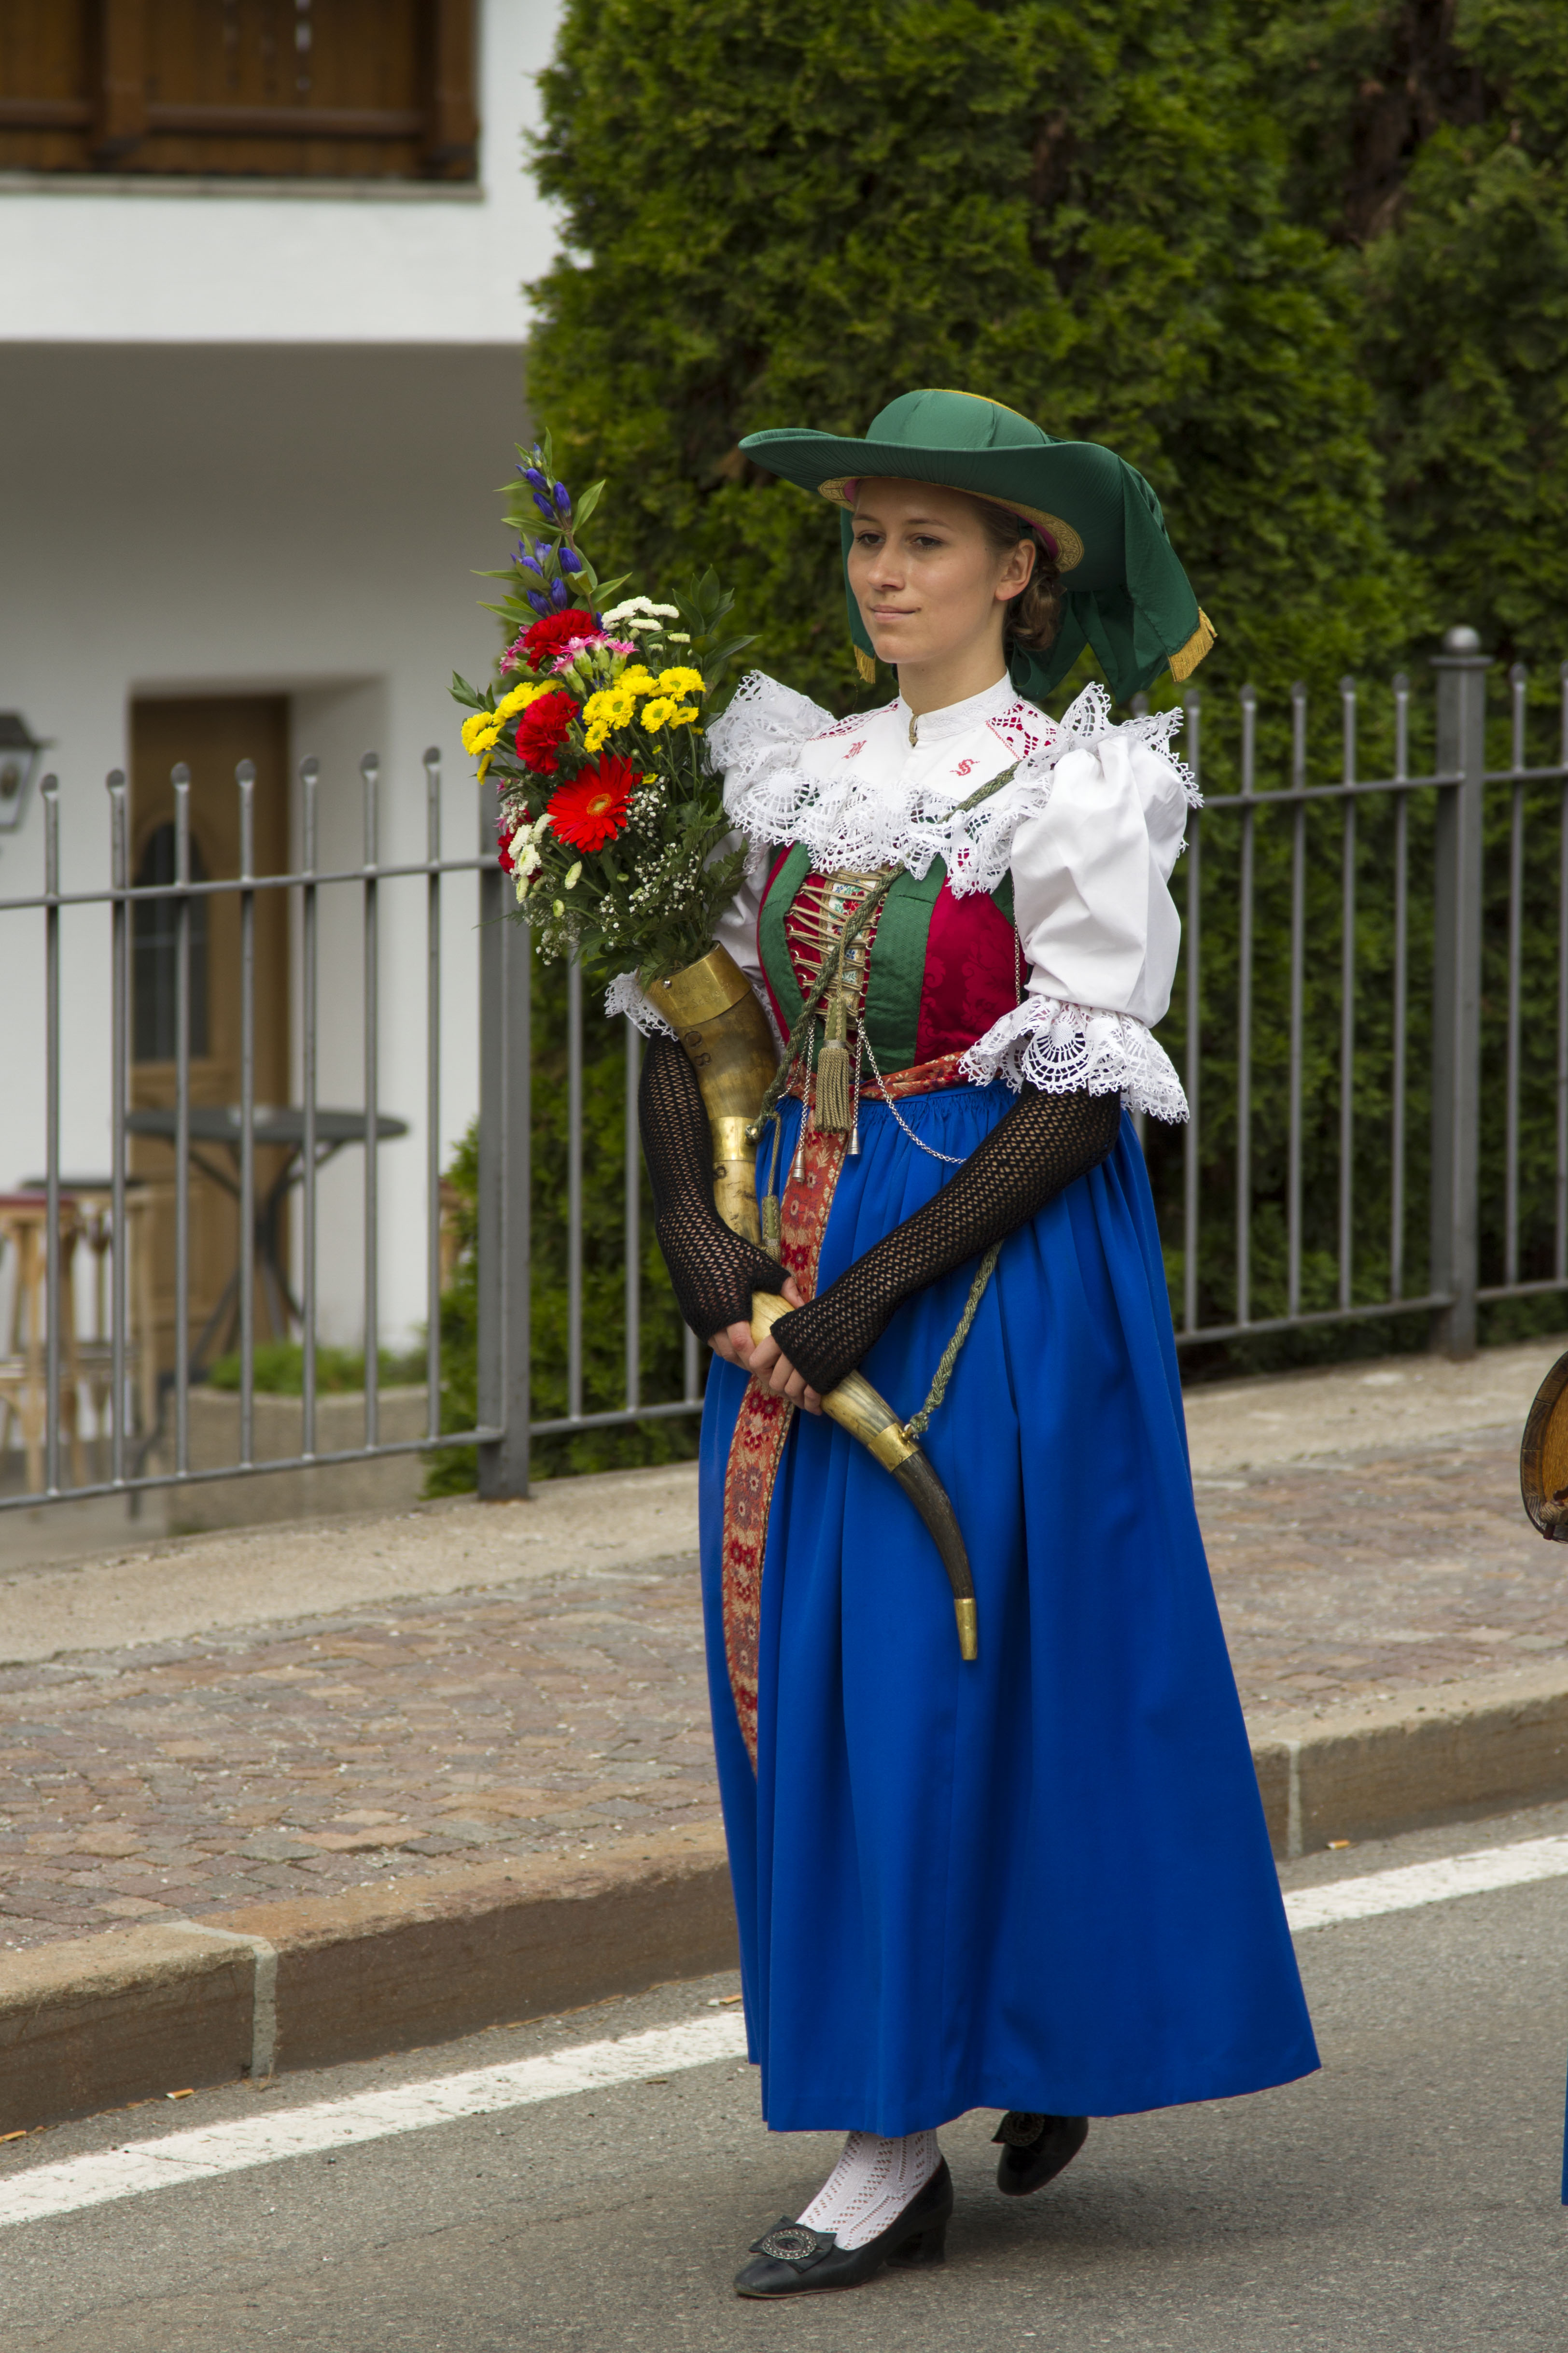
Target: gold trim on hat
column 956, row 392
column 1185, row 659
column 1069, row 546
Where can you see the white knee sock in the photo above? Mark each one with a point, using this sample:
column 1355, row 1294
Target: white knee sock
column 871, row 2184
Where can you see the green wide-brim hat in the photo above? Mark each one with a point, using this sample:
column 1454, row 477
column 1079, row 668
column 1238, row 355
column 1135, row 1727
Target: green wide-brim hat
column 1124, row 592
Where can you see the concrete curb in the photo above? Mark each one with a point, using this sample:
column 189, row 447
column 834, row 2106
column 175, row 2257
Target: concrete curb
column 94, row 2023
column 97, row 2021
column 1465, row 1749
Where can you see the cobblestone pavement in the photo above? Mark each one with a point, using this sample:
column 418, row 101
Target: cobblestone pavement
column 190, row 1777
column 1347, row 1577
column 238, row 1769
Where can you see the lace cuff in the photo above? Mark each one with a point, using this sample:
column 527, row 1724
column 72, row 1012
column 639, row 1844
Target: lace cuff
column 1061, row 1048
column 624, row 994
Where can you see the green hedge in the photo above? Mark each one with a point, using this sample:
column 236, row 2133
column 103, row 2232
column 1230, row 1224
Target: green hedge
column 1304, row 263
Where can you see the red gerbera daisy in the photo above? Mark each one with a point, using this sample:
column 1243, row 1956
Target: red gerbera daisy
column 592, row 808
column 552, row 635
column 541, row 730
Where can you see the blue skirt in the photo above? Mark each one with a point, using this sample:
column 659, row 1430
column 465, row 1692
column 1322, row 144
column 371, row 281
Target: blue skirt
column 1040, row 1881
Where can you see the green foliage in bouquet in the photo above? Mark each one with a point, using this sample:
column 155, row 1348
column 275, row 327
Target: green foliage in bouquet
column 611, row 818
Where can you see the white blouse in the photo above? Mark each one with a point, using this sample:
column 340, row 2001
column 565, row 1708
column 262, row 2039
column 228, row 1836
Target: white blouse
column 1090, row 827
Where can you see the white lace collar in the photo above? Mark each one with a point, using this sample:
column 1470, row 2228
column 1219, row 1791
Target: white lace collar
column 855, row 793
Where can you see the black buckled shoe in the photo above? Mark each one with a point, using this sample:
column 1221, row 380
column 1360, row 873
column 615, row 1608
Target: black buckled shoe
column 792, row 2259
column 1035, row 2148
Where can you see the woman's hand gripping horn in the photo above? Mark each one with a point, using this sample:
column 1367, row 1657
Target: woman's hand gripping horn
column 857, row 1408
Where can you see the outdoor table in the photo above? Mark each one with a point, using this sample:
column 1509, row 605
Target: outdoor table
column 274, row 1127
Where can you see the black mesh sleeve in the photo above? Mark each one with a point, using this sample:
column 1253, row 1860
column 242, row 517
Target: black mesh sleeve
column 714, row 1272
column 1042, row 1145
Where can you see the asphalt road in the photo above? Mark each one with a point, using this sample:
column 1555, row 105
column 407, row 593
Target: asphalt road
column 1407, row 2196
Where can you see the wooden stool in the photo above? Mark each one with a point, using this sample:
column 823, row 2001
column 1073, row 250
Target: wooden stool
column 94, row 1201
column 24, row 1369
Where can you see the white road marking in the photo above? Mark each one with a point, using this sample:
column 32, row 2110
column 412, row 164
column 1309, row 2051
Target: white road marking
column 162, row 2163
column 1426, row 1883
column 196, row 2156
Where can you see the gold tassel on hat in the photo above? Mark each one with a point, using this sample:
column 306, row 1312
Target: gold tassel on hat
column 866, row 664
column 1184, row 662
column 832, row 1070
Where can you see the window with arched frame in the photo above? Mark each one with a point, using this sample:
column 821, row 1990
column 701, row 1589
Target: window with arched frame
column 154, row 948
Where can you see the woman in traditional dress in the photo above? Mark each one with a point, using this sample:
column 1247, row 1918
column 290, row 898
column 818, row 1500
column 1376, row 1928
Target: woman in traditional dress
column 1039, row 1881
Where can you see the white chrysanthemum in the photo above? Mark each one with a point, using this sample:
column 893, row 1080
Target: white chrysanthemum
column 625, row 611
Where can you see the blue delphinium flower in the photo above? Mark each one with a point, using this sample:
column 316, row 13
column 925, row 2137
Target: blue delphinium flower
column 570, row 559
column 563, row 500
column 540, row 603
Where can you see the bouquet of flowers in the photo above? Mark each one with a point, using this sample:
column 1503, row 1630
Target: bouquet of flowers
column 611, row 820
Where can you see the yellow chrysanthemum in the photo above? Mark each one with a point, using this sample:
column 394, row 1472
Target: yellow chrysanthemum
column 479, row 730
column 685, row 717
column 522, row 696
column 680, row 681
column 656, row 713
column 610, row 708
column 637, row 678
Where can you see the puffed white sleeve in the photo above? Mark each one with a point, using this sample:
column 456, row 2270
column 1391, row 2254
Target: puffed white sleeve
column 756, row 745
column 1098, row 926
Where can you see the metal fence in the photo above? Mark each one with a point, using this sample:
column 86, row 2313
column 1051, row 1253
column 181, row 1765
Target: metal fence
column 1273, row 1024
column 1410, row 857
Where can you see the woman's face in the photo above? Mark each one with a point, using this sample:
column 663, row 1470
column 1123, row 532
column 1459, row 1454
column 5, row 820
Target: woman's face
column 930, row 585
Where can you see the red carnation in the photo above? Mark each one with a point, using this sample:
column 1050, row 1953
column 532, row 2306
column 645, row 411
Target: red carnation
column 592, row 808
column 554, row 634
column 506, row 832
column 541, row 730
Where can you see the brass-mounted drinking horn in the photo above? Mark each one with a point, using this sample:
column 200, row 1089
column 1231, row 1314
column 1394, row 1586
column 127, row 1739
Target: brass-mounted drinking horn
column 857, row 1408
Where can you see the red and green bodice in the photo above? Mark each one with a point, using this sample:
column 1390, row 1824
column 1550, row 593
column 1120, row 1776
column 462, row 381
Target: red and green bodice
column 937, row 971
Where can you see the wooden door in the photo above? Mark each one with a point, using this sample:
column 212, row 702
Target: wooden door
column 211, row 735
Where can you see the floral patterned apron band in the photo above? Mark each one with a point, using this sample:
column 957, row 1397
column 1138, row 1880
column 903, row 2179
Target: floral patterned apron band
column 895, row 1086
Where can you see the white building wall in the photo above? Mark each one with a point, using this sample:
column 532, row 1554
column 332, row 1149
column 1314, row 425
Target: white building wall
column 202, row 521
column 129, row 259
column 249, row 439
